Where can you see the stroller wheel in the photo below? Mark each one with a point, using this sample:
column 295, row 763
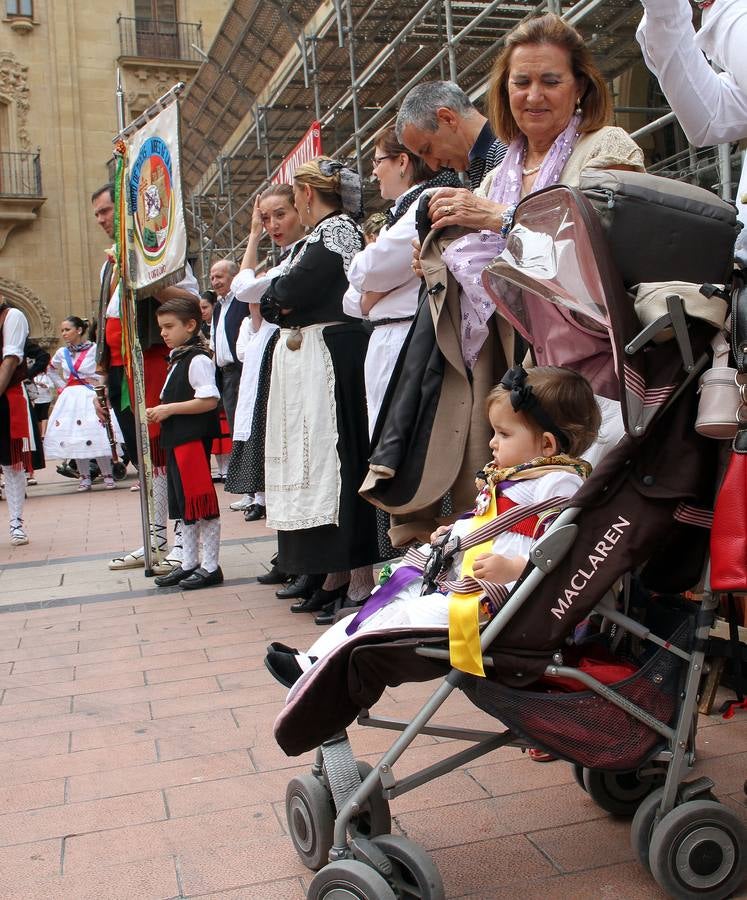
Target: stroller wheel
column 349, row 879
column 310, row 814
column 642, row 826
column 414, row 874
column 374, row 817
column 618, row 793
column 699, row 849
column 578, row 774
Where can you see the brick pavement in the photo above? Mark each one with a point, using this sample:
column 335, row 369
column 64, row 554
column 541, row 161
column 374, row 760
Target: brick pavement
column 137, row 751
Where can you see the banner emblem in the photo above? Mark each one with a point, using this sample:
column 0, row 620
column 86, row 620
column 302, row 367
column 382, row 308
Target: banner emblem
column 152, row 199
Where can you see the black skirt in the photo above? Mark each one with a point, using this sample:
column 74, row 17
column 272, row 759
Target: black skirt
column 246, row 468
column 352, row 543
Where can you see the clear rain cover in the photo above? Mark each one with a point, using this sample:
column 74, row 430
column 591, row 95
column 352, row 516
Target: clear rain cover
column 549, row 254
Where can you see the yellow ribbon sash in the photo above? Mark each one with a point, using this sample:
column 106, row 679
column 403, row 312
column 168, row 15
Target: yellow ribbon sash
column 464, row 609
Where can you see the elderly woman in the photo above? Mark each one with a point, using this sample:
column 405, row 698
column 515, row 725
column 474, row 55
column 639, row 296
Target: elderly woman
column 550, row 103
column 316, row 446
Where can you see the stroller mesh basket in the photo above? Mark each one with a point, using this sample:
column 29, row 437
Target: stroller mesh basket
column 584, row 728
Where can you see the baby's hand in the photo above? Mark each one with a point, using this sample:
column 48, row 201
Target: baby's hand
column 441, row 530
column 498, row 569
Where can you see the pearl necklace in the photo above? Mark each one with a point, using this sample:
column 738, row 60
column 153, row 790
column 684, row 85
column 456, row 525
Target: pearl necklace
column 527, row 172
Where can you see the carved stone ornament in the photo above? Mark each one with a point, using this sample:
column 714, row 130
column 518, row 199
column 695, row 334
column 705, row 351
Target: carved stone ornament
column 14, row 87
column 145, row 85
column 40, row 321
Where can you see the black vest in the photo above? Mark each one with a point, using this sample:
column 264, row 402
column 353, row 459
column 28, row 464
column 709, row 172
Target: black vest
column 181, row 429
column 236, row 314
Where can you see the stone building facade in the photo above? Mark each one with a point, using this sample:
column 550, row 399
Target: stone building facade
column 58, row 63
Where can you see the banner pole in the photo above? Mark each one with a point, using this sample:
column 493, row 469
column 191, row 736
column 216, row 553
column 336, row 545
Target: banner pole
column 132, row 340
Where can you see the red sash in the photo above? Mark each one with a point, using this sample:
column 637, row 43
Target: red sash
column 19, row 413
column 200, row 499
column 527, row 526
column 113, row 334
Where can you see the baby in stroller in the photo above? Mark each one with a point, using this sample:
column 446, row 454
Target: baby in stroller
column 543, row 420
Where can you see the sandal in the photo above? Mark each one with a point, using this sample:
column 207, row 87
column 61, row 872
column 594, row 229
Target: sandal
column 128, row 561
column 540, row 756
column 18, row 536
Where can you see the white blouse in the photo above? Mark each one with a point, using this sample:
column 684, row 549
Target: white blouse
column 201, row 377
column 386, row 265
column 711, row 107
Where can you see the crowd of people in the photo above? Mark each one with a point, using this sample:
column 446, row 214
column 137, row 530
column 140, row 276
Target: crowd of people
column 297, row 380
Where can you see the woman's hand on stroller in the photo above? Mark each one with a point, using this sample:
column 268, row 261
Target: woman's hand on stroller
column 498, row 569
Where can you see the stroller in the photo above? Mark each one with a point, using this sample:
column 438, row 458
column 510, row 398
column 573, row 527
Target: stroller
column 615, row 565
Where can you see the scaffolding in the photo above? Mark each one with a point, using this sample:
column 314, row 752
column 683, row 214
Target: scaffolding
column 275, row 67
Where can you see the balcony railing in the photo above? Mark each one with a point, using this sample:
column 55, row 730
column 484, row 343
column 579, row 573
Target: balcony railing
column 20, row 175
column 158, row 39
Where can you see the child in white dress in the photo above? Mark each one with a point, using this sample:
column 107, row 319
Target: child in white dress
column 74, row 429
column 542, row 420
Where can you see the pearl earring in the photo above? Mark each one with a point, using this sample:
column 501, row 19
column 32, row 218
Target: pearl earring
column 578, row 109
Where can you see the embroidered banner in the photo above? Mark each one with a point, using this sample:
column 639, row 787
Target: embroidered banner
column 308, row 148
column 158, row 239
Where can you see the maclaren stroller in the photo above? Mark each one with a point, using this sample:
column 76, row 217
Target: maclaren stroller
column 620, row 554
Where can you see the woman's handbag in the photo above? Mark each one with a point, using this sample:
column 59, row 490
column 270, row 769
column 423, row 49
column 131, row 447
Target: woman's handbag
column 722, row 407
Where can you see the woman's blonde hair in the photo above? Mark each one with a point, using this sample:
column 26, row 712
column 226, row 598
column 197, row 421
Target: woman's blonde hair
column 596, row 102
column 327, row 186
column 567, row 398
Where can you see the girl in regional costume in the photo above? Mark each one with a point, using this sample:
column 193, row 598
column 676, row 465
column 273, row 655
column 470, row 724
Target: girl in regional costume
column 317, row 429
column 189, row 423
column 274, row 213
column 542, row 421
column 74, row 429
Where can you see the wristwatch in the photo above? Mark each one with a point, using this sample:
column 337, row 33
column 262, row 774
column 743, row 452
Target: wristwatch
column 507, row 218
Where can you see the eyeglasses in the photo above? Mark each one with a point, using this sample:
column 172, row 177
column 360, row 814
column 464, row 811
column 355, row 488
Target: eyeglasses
column 379, row 159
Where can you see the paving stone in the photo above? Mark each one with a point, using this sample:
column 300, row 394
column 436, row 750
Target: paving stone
column 193, row 771
column 226, row 867
column 19, row 797
column 151, row 879
column 90, row 718
column 79, row 818
column 239, row 829
column 32, row 861
column 68, row 688
column 85, row 761
column 142, row 728
column 285, row 889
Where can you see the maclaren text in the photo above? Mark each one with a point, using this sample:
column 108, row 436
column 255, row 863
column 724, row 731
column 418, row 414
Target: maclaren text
column 584, row 575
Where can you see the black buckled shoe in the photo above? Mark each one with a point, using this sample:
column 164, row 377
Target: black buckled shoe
column 201, row 578
column 283, row 667
column 255, row 513
column 301, row 586
column 319, row 599
column 340, row 609
column 275, row 575
column 173, row 577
